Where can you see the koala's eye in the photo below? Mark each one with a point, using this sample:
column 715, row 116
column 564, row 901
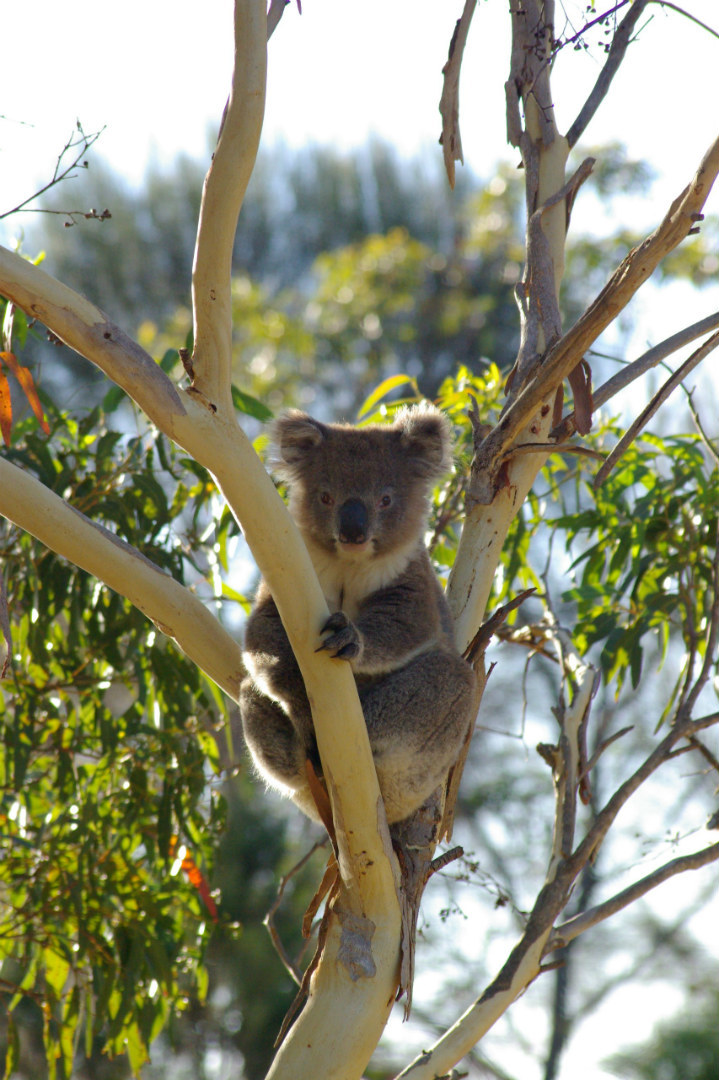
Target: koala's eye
column 385, row 501
column 326, row 499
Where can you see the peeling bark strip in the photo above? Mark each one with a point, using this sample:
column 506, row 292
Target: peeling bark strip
column 450, row 139
column 532, row 43
column 355, row 951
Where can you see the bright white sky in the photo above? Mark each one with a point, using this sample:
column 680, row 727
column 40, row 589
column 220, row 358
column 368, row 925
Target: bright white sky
column 156, row 73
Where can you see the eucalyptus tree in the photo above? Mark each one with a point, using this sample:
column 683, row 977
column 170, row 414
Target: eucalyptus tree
column 372, row 887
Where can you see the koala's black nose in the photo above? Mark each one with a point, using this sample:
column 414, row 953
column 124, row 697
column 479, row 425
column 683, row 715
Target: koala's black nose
column 353, row 522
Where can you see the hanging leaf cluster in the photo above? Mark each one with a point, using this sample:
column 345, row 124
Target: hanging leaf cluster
column 110, row 809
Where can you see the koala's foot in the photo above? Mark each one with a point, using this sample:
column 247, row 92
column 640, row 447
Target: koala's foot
column 276, row 748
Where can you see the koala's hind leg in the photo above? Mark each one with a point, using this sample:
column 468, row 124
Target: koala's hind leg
column 276, row 748
column 417, row 719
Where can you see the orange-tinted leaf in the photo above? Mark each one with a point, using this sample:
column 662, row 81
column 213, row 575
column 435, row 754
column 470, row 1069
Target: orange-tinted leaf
column 197, row 879
column 24, row 377
column 11, row 360
column 5, row 409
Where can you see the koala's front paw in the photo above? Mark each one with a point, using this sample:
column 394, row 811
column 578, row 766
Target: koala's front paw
column 343, row 641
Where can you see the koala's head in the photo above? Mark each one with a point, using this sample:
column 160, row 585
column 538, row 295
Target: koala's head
column 362, row 492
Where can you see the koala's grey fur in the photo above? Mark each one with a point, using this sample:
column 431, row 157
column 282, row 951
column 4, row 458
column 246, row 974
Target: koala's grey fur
column 359, row 498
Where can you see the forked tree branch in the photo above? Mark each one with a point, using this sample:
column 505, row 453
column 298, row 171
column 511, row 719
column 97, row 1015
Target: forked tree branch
column 525, row 960
column 367, row 866
column 657, row 401
column 605, row 818
column 563, row 357
column 568, row 931
column 63, row 170
column 274, row 13
column 359, row 969
column 628, row 374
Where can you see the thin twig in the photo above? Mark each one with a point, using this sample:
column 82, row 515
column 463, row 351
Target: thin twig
column 268, row 920
column 615, row 56
column 708, row 444
column 705, row 752
column 571, row 754
column 5, row 630
column 682, row 729
column 603, row 746
column 445, row 859
column 710, row 643
column 536, row 448
column 659, row 398
column 60, row 173
column 687, row 15
column 654, row 356
column 491, row 625
column 691, row 638
column 620, row 41
column 598, row 20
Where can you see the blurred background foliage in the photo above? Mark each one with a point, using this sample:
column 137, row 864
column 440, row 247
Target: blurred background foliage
column 139, row 857
column 349, row 267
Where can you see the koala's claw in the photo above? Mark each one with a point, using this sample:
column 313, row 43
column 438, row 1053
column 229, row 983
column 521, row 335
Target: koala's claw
column 336, row 621
column 343, row 641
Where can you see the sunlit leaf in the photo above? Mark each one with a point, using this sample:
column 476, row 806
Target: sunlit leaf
column 250, row 405
column 385, row 388
column 57, row 969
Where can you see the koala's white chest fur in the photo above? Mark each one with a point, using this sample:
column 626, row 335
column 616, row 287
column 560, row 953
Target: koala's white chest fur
column 347, row 578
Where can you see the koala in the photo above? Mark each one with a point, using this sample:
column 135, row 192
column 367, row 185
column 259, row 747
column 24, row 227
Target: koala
column 359, row 497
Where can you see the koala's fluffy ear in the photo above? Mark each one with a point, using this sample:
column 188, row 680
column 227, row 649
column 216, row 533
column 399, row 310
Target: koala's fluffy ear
column 426, row 437
column 294, row 435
